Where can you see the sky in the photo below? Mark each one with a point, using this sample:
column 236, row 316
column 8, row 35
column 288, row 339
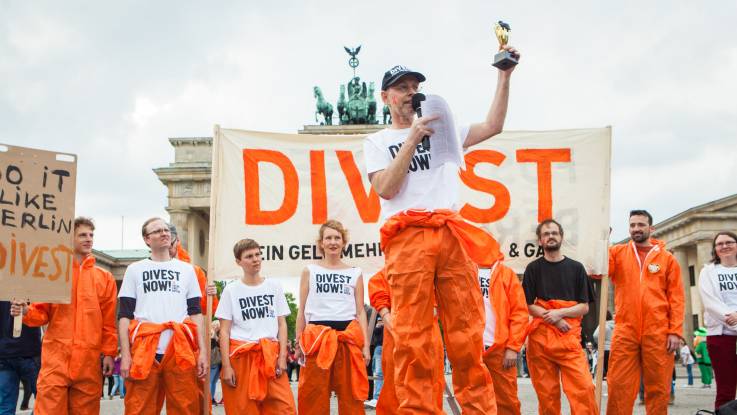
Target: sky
column 112, row 81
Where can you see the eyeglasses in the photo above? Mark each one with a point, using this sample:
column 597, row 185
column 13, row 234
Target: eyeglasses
column 159, row 232
column 725, row 244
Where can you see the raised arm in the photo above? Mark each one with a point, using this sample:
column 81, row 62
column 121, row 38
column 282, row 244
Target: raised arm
column 494, row 122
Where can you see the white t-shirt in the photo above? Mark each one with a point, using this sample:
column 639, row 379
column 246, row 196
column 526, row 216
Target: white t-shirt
column 332, row 295
column 485, row 283
column 254, row 310
column 427, row 185
column 161, row 290
column 726, row 284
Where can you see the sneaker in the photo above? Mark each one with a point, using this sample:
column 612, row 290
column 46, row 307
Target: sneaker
column 371, row 403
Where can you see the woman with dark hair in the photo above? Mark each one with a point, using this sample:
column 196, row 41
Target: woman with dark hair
column 718, row 287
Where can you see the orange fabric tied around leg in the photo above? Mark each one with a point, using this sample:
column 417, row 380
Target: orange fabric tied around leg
column 144, row 337
column 263, row 356
column 477, row 243
column 388, row 403
column 323, row 342
column 554, row 358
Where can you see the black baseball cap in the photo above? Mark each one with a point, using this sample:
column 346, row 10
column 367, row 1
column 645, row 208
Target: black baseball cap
column 392, row 75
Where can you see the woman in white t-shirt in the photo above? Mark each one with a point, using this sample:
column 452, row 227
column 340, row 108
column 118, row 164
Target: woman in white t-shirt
column 253, row 337
column 718, row 287
column 331, row 328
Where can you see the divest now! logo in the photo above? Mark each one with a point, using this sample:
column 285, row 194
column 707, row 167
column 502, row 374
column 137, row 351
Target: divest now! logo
column 484, row 282
column 727, row 282
column 257, row 306
column 333, row 284
column 158, row 280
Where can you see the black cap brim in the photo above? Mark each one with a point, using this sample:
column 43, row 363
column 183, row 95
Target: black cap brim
column 391, row 81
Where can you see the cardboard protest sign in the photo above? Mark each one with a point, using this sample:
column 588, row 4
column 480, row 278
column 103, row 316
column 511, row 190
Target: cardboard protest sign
column 37, row 190
column 278, row 189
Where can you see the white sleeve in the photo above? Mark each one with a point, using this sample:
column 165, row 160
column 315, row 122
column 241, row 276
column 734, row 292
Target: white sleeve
column 281, row 307
column 376, row 158
column 225, row 306
column 193, row 289
column 128, row 286
column 712, row 303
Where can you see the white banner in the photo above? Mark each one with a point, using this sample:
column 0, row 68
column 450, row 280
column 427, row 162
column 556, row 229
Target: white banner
column 279, row 188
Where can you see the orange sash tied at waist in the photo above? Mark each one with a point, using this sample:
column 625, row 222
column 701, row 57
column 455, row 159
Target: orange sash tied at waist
column 263, row 354
column 570, row 339
column 477, row 243
column 323, row 342
column 144, row 338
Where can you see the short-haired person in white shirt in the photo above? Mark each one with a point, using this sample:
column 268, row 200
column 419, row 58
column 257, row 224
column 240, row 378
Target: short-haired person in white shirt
column 331, row 328
column 253, row 339
column 422, row 239
column 718, row 288
column 161, row 330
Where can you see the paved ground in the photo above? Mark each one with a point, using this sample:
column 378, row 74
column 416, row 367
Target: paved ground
column 688, row 401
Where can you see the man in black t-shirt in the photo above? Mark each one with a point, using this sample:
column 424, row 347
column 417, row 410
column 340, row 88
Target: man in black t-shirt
column 558, row 293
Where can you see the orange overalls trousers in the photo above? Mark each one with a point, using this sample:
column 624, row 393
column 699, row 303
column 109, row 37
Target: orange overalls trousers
column 388, row 404
column 437, row 252
column 553, row 357
column 70, row 380
column 173, row 380
column 333, row 362
column 257, row 389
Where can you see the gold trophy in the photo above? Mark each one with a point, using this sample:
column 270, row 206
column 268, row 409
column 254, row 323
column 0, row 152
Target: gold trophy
column 503, row 60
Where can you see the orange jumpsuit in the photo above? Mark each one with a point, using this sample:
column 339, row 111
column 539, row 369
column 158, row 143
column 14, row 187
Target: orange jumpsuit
column 649, row 305
column 173, row 379
column 437, row 251
column 380, row 298
column 70, row 380
column 553, row 357
column 183, row 255
column 333, row 361
column 257, row 389
column 512, row 318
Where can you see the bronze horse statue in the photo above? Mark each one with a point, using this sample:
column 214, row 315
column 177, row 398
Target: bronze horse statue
column 323, row 107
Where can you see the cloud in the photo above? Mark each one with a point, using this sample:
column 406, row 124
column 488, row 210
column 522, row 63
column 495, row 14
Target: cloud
column 112, row 81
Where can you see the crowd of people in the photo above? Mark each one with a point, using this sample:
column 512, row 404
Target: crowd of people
column 439, row 271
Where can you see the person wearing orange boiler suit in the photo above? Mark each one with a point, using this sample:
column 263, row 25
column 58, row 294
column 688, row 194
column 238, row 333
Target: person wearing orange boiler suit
column 177, row 251
column 649, row 306
column 161, row 330
column 70, row 379
column 428, row 246
column 507, row 319
column 558, row 292
column 380, row 299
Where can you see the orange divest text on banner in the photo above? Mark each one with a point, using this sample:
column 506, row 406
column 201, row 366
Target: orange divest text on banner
column 277, row 188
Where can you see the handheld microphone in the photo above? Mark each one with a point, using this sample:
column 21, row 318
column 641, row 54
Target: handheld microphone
column 416, row 101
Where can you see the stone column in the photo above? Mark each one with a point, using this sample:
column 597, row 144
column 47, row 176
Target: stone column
column 180, row 219
column 703, row 257
column 682, row 257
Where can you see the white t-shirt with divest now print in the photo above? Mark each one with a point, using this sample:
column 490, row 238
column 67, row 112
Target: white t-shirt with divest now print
column 427, row 186
column 332, row 295
column 161, row 290
column 485, row 283
column 253, row 309
column 726, row 284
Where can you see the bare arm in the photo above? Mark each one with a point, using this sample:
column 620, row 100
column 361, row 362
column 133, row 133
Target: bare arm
column 228, row 374
column 304, row 290
column 362, row 320
column 203, row 357
column 494, row 122
column 125, row 347
column 387, row 182
column 282, row 336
